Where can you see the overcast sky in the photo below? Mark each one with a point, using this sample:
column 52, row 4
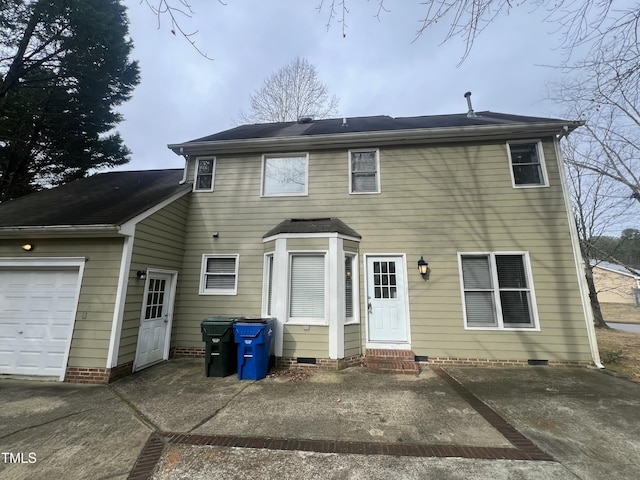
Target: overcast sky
column 376, row 69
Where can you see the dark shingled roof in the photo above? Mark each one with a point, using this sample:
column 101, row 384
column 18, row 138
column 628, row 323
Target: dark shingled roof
column 103, row 199
column 313, row 225
column 368, row 124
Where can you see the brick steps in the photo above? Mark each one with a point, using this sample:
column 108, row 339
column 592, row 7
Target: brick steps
column 391, row 361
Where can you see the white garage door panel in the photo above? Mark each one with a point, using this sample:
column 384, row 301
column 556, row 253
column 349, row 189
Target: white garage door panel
column 36, row 320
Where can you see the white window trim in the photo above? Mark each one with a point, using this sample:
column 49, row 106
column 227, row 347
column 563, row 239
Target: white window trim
column 543, row 167
column 213, row 174
column 285, row 155
column 496, row 292
column 355, row 275
column 349, row 172
column 307, row 320
column 203, row 282
column 265, row 284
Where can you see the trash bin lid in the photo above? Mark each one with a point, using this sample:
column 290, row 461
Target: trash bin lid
column 214, row 320
column 253, row 320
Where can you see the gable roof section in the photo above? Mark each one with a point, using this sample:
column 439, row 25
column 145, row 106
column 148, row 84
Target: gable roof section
column 614, row 267
column 104, row 199
column 381, row 129
column 312, row 226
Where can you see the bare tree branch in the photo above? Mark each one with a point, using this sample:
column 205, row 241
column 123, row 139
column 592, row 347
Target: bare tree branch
column 292, row 92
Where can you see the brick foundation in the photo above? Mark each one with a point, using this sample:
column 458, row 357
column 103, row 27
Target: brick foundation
column 186, row 352
column 321, row 363
column 100, row 376
column 87, row 375
column 491, row 362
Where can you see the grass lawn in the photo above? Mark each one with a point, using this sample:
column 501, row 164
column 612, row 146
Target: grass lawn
column 620, row 350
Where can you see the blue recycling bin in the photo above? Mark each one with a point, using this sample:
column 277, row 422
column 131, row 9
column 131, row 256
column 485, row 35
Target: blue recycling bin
column 254, row 337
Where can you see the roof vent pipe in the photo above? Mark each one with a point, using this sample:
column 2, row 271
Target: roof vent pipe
column 470, row 113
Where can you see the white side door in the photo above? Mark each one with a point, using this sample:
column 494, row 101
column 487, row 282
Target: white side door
column 386, row 297
column 154, row 322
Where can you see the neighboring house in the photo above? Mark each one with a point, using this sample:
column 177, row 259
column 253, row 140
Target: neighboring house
column 615, row 283
column 322, row 225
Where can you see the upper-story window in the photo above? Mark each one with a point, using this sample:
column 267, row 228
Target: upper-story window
column 527, row 164
column 364, row 171
column 285, row 175
column 205, row 168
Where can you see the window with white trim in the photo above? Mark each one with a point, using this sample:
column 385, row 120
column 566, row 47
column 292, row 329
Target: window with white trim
column 527, row 164
column 268, row 280
column 364, row 166
column 205, row 168
column 497, row 291
column 307, row 287
column 219, row 275
column 350, row 294
column 284, row 175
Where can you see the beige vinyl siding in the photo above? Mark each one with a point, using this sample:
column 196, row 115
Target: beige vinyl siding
column 436, row 201
column 94, row 317
column 307, row 244
column 301, row 341
column 353, row 340
column 351, row 246
column 159, row 244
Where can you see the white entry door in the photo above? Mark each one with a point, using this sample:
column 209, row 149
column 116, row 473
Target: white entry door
column 386, row 308
column 154, row 322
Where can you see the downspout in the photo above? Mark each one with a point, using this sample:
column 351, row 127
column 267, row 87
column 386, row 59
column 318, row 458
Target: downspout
column 577, row 257
column 186, row 164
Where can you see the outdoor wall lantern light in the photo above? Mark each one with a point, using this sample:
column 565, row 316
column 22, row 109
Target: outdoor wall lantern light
column 27, row 247
column 141, row 275
column 423, row 266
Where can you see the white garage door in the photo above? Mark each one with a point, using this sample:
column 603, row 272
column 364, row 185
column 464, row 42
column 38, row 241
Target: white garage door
column 36, row 320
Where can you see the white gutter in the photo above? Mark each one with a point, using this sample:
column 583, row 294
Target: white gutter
column 577, row 257
column 186, row 165
column 384, row 137
column 60, row 230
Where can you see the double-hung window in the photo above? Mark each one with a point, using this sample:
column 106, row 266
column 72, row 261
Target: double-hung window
column 205, row 168
column 219, row 275
column 285, row 175
column 497, row 291
column 527, row 164
column 364, row 171
column 307, row 288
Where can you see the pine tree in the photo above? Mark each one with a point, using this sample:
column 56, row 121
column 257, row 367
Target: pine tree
column 64, row 67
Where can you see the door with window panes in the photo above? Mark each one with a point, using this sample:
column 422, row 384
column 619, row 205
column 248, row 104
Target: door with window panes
column 386, row 308
column 152, row 335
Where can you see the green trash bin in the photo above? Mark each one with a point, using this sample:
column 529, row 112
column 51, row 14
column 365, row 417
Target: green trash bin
column 221, row 357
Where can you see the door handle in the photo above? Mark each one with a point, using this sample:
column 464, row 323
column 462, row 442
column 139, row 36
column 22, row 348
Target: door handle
column 369, row 307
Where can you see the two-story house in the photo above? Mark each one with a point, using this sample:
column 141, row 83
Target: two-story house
column 443, row 239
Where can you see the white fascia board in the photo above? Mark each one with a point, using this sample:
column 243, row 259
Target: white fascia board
column 128, row 227
column 310, row 235
column 59, row 230
column 386, row 137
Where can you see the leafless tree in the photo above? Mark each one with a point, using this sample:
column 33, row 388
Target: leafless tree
column 598, row 207
column 606, row 95
column 176, row 11
column 289, row 94
column 579, row 22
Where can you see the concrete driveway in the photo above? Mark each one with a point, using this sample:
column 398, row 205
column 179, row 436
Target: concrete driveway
column 170, row 422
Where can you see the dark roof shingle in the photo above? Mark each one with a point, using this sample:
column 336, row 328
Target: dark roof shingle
column 312, row 225
column 110, row 198
column 368, row 124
